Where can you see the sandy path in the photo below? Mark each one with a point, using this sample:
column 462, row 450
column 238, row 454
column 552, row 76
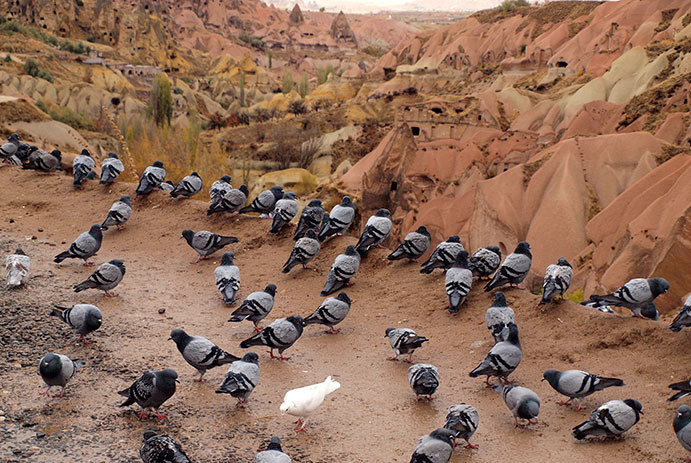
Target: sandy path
column 372, row 418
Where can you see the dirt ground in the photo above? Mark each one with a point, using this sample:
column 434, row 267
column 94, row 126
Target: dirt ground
column 372, row 418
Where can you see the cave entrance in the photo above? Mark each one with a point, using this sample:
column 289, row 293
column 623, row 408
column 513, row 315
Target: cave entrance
column 416, row 130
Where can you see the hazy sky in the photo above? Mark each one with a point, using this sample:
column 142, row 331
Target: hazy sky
column 443, row 5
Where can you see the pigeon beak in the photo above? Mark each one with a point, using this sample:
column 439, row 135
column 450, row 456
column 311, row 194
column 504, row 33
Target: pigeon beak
column 542, row 379
column 641, row 412
column 177, row 381
column 170, row 339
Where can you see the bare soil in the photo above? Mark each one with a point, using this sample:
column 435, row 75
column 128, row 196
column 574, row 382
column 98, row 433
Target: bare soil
column 373, row 417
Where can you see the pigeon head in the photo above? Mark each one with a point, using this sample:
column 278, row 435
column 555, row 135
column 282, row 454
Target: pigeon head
column 227, row 258
column 347, row 202
column 683, row 418
column 112, row 155
column 95, row 231
column 388, row 331
column 180, row 337
column 57, row 154
column 225, row 178
column 528, row 409
column 445, row 435
column 158, row 164
column 125, row 199
column 523, row 248
column 315, row 203
column 50, row 365
column 290, row 195
column 188, row 235
column 311, row 234
column 343, row 297
column 13, row 138
column 85, row 152
column 454, row 239
column 33, row 148
column 251, row 357
column 270, row 289
column 286, row 407
column 383, row 213
column 119, row 264
column 563, row 262
column 93, row 320
column 650, row 311
column 423, row 231
column 513, row 334
column 296, row 320
column 658, row 286
column 244, row 190
column 350, row 251
column 494, row 249
column 277, row 190
column 149, row 434
column 499, row 299
column 636, row 405
column 552, row 377
column 19, row 251
column 275, row 444
column 194, row 174
column 462, row 259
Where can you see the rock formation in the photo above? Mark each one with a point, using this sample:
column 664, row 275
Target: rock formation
column 296, row 17
column 340, row 29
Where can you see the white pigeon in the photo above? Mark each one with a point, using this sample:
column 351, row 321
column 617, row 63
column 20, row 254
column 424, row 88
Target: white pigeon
column 303, row 401
column 17, row 266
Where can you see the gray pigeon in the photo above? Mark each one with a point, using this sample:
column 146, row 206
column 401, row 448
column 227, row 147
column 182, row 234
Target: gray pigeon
column 463, row 420
column 485, row 261
column 286, row 209
column 17, row 266
column 151, row 179
column 331, row 312
column 106, row 277
column 273, row 453
column 343, row 269
column 684, row 388
column 444, row 255
column 557, row 280
column 219, row 188
column 45, row 162
column 635, row 295
column 576, row 384
column 199, row 352
column 265, row 202
column 498, row 317
column 227, row 277
column 188, row 186
column 436, row 447
column 83, row 168
column 9, row 149
column 502, row 359
column 523, row 403
column 206, row 243
column 159, row 448
column 459, row 280
column 57, row 370
column 84, row 318
column 281, row 334
column 340, row 219
column 241, row 379
column 231, row 201
column 376, row 230
column 684, row 318
column 111, row 168
column 610, row 419
column 682, row 426
column 304, row 251
column 255, row 307
column 151, row 390
column 514, row 269
column 404, row 341
column 414, row 245
column 166, row 186
column 424, row 380
column 311, row 218
column 86, row 245
column 119, row 213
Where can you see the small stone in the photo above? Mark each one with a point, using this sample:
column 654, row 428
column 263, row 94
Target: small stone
column 11, row 220
column 161, row 310
column 40, row 230
column 40, row 435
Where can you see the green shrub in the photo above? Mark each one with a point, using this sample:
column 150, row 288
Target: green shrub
column 297, row 107
column 31, row 67
column 323, row 74
column 577, row 296
column 8, row 58
column 288, row 83
column 178, row 91
column 77, row 48
column 45, row 75
column 253, row 40
column 161, row 99
column 510, row 5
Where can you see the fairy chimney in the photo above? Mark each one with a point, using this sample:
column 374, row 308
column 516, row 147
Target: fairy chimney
column 340, row 29
column 296, row 16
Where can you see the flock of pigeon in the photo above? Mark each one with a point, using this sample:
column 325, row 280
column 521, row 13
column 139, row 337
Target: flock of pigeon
column 315, row 227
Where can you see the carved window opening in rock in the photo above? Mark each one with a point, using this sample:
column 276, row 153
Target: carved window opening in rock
column 562, row 64
column 479, row 117
column 115, row 101
column 437, row 110
column 394, row 186
column 416, row 130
